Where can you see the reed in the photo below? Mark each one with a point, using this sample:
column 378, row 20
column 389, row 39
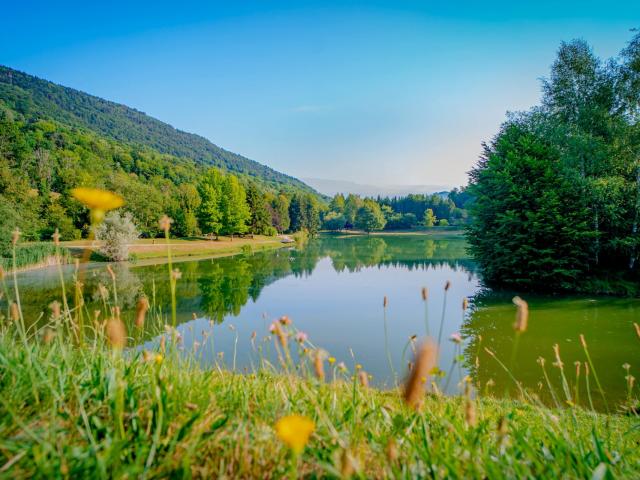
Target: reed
column 385, row 304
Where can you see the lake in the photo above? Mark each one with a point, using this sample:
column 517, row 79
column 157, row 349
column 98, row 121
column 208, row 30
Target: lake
column 333, row 290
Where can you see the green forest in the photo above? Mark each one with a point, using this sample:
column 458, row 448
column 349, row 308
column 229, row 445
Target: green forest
column 45, row 153
column 557, row 191
column 398, row 213
column 36, row 99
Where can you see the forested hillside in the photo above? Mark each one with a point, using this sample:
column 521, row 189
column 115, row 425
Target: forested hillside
column 36, row 99
column 52, row 140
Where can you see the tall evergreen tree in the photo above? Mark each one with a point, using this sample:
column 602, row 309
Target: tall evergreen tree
column 280, row 213
column 260, row 219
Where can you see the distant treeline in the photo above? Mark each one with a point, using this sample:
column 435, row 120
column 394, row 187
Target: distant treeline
column 557, row 191
column 397, row 213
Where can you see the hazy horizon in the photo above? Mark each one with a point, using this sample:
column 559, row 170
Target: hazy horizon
column 376, row 93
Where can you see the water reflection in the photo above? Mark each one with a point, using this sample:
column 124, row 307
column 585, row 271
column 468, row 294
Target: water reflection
column 333, row 289
column 217, row 288
column 606, row 323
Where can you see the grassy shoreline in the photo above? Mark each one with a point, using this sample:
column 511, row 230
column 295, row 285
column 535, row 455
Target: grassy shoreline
column 91, row 412
column 157, row 248
column 152, row 251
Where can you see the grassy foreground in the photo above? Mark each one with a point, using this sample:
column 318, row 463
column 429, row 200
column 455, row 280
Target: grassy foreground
column 69, row 412
column 75, row 402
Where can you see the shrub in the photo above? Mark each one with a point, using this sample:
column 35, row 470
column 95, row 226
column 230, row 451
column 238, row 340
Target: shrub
column 117, row 231
column 270, row 231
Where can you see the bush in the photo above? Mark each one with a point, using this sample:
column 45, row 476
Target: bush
column 270, row 231
column 117, row 231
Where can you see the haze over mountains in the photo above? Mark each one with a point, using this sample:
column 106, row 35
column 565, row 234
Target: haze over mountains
column 331, row 187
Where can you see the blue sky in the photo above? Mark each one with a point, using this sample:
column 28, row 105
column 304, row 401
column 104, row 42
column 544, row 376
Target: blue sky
column 380, row 92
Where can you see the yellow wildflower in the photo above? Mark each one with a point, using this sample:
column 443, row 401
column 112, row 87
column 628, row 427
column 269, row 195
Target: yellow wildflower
column 294, row 431
column 97, row 199
column 332, row 360
column 158, row 359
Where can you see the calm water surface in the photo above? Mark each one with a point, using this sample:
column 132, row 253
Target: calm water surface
column 333, row 290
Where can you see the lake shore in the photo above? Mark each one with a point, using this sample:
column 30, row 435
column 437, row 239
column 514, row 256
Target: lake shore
column 190, row 247
column 153, row 251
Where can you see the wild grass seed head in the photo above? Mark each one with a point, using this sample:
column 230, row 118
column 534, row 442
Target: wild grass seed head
column 522, row 314
column 318, row 364
column 55, row 309
column 363, row 378
column 116, row 333
column 141, row 311
column 15, row 236
column 424, row 364
column 14, row 312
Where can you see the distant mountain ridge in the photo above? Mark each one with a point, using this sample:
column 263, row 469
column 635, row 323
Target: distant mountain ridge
column 35, row 98
column 332, row 187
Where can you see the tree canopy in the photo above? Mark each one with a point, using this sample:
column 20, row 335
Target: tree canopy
column 557, row 191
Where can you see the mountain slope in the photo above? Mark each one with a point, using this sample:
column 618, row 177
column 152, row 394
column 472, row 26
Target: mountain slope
column 36, row 98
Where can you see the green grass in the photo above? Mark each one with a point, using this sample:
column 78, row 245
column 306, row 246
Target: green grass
column 87, row 412
column 182, row 248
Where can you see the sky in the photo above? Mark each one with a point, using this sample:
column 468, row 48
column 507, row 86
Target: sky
column 378, row 92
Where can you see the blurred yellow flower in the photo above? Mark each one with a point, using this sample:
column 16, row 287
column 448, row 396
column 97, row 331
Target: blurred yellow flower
column 294, row 431
column 332, row 360
column 158, row 359
column 97, row 199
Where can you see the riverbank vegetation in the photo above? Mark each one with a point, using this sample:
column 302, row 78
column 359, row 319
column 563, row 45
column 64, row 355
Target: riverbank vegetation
column 557, row 191
column 31, row 255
